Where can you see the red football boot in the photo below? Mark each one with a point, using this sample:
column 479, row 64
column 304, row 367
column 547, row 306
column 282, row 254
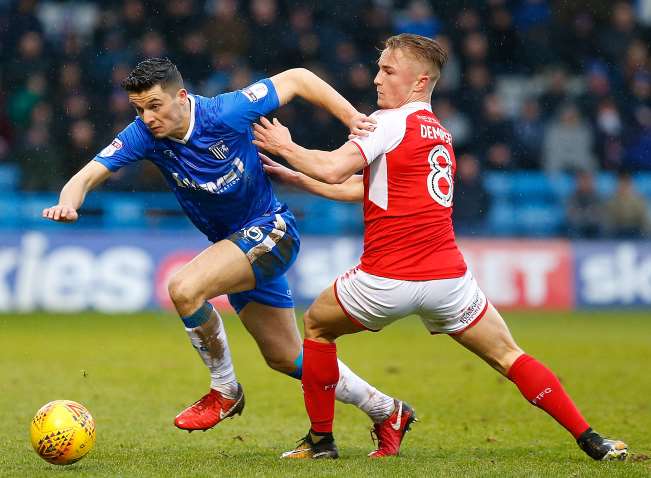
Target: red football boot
column 209, row 410
column 391, row 431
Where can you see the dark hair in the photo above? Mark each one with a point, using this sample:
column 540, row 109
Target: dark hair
column 151, row 72
column 421, row 47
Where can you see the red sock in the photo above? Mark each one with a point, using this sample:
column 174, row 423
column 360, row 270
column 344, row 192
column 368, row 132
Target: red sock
column 540, row 386
column 320, row 377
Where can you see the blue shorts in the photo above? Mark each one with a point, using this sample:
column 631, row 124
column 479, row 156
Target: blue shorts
column 271, row 244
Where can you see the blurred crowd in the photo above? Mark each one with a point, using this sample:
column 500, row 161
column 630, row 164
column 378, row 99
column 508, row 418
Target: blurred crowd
column 530, row 84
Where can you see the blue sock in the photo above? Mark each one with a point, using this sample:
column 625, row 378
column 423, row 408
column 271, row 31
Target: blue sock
column 200, row 317
column 298, row 373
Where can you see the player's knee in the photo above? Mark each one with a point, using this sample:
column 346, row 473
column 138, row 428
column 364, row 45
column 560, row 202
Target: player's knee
column 182, row 293
column 281, row 364
column 311, row 327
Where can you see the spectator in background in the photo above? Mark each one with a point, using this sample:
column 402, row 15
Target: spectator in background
column 504, row 42
column 152, row 45
column 301, row 43
column 451, row 76
column 626, row 214
column 41, row 160
column 637, row 59
column 471, row 200
column 357, row 90
column 23, row 19
column 80, row 146
column 584, row 209
column 467, row 21
column 615, row 40
column 638, row 153
column 268, row 30
column 577, row 44
column 223, row 64
column 134, row 18
column 639, row 94
column 475, row 49
column 532, row 18
column 195, row 56
column 30, row 59
column 495, row 134
column 225, row 30
column 598, row 88
column 528, row 133
column 568, row 142
column 556, row 92
column 21, row 103
column 419, row 19
column 609, row 128
column 477, row 84
column 454, row 121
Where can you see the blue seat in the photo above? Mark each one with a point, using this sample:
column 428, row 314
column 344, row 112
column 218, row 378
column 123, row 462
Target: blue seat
column 9, row 177
column 539, row 220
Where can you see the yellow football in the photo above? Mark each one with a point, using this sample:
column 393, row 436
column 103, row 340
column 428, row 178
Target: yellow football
column 62, row 432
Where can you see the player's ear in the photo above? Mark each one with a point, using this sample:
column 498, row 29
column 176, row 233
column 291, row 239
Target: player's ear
column 181, row 94
column 422, row 82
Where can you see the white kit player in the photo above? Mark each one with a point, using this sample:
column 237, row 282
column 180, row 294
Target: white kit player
column 411, row 264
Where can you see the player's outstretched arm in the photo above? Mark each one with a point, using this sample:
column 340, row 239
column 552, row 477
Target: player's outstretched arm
column 302, row 82
column 351, row 190
column 74, row 192
column 331, row 167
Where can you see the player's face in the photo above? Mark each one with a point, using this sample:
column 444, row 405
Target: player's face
column 164, row 113
column 397, row 78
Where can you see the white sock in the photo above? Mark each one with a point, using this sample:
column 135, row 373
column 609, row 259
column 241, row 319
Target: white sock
column 209, row 340
column 352, row 389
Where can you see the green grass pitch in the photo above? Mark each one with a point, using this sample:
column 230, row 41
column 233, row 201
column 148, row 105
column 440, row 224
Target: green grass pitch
column 135, row 372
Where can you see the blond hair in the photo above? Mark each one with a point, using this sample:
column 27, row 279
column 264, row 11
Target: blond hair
column 422, row 48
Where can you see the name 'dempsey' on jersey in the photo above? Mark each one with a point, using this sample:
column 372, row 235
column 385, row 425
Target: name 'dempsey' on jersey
column 214, row 187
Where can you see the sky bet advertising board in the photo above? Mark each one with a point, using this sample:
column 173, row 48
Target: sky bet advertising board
column 75, row 271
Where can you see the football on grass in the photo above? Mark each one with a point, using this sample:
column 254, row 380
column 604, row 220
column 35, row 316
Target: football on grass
column 62, row 432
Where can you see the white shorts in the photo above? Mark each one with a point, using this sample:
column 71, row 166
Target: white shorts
column 445, row 306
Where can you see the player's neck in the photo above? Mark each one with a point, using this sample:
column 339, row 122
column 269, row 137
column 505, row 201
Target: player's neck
column 424, row 98
column 182, row 130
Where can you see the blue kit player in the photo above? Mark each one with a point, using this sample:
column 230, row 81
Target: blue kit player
column 203, row 148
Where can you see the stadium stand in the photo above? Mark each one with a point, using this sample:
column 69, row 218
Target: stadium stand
column 536, row 90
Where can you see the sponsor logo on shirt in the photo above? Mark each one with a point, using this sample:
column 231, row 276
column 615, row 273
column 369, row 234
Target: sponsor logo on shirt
column 110, row 150
column 217, row 186
column 219, row 150
column 255, row 92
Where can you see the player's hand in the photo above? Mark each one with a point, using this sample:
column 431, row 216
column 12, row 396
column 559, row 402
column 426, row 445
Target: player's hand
column 61, row 213
column 361, row 125
column 277, row 171
column 272, row 137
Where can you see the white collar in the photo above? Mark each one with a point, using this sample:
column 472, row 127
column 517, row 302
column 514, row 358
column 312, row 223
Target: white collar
column 418, row 105
column 191, row 127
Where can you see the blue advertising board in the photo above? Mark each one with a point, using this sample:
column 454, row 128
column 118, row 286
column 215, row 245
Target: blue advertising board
column 71, row 271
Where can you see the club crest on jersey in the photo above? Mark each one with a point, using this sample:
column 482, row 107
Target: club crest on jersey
column 169, row 154
column 255, row 92
column 219, row 150
column 110, row 150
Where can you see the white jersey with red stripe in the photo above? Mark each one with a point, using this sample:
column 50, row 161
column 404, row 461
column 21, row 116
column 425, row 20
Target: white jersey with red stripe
column 408, row 187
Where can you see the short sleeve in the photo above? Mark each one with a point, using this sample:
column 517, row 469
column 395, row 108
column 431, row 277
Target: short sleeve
column 128, row 147
column 239, row 109
column 388, row 133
